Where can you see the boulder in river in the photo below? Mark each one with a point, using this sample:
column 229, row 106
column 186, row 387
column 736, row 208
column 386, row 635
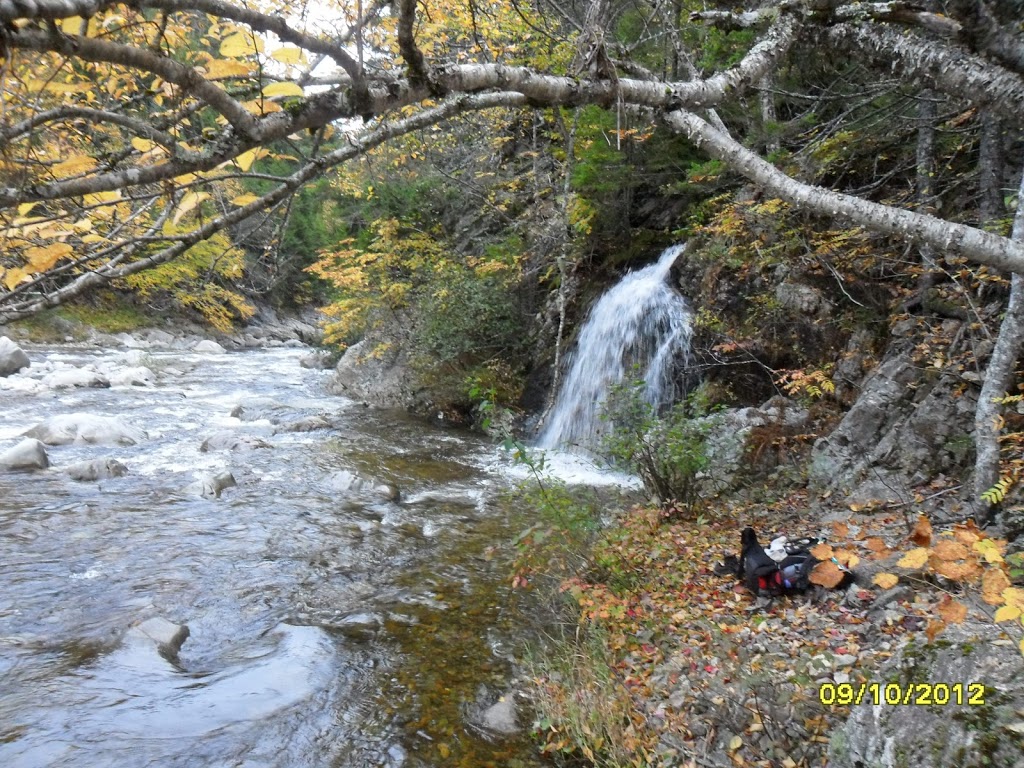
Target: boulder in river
column 210, row 486
column 304, row 424
column 96, row 469
column 166, row 635
column 12, row 357
column 136, row 376
column 230, row 441
column 85, row 428
column 28, row 454
column 349, row 482
column 72, row 378
column 209, row 347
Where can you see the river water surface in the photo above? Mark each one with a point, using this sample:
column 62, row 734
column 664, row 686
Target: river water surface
column 329, row 625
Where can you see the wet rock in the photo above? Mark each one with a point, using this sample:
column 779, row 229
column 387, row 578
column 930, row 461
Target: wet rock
column 305, row 424
column 349, row 482
column 229, row 441
column 209, row 347
column 136, row 376
column 381, row 376
column 315, row 360
column 883, row 736
column 97, row 469
column 76, row 377
column 85, row 428
column 210, row 486
column 159, row 338
column 12, row 357
column 28, row 454
column 167, row 636
column 500, row 717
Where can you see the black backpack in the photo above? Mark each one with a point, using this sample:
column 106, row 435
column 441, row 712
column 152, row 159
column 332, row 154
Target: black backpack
column 764, row 576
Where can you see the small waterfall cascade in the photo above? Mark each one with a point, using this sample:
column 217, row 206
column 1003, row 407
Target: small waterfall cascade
column 639, row 324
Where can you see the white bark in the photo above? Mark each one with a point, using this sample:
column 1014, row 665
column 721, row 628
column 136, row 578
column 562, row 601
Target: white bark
column 998, row 378
column 944, row 236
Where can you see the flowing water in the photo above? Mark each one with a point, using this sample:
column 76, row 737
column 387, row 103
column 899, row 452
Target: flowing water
column 329, row 625
column 639, row 329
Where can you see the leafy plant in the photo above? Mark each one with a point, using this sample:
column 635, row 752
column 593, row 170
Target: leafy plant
column 667, row 450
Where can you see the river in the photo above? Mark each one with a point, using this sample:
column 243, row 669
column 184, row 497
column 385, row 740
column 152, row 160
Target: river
column 330, row 626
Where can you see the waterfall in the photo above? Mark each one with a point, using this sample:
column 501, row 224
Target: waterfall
column 641, row 321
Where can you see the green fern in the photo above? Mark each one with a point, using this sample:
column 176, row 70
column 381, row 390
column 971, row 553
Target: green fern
column 997, row 492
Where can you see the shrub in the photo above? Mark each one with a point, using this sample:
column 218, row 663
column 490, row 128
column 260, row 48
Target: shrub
column 668, row 450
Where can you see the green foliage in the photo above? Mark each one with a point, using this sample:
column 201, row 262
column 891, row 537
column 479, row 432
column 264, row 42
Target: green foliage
column 196, row 280
column 667, row 450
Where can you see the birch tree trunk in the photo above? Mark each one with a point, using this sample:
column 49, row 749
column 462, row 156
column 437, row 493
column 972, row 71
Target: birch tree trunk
column 998, row 379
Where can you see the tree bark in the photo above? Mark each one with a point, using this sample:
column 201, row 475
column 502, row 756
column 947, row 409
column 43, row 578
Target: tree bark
column 990, row 163
column 998, row 378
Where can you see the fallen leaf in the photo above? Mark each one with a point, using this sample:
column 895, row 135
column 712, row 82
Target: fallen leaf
column 950, row 550
column 967, row 533
column 876, row 544
column 1007, row 613
column 958, row 571
column 735, row 743
column 826, row 574
column 993, row 582
column 821, row 551
column 842, row 530
column 933, row 629
column 952, row 611
column 922, row 533
column 885, row 580
column 915, row 558
column 846, row 558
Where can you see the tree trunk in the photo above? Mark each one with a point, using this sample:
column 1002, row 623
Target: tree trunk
column 998, row 379
column 990, row 161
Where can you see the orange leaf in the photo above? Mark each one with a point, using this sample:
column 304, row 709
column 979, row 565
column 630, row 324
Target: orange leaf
column 826, row 574
column 875, row 544
column 821, row 551
column 952, row 611
column 950, row 550
column 922, row 533
column 966, row 534
column 958, row 571
column 842, row 530
column 933, row 629
column 993, row 582
column 846, row 558
column 915, row 558
column 886, row 580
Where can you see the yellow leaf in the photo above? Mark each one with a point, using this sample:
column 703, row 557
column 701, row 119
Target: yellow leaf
column 72, row 25
column 915, row 558
column 246, row 159
column 735, row 743
column 1014, row 596
column 99, row 198
column 990, row 550
column 74, row 165
column 93, row 239
column 244, row 200
column 1007, row 613
column 221, row 68
column 44, row 257
column 289, row 55
column 241, row 44
column 143, row 145
column 188, row 203
column 885, row 580
column 282, row 89
column 262, row 106
column 25, row 208
column 14, row 276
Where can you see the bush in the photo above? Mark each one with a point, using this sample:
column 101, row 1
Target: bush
column 667, row 450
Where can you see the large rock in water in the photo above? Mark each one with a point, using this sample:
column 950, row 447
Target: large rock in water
column 952, row 734
column 97, row 469
column 76, row 377
column 28, row 454
column 379, row 375
column 12, row 357
column 209, row 347
column 85, row 428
